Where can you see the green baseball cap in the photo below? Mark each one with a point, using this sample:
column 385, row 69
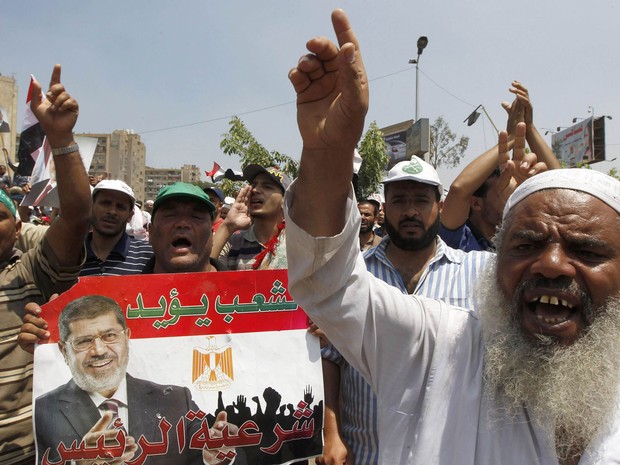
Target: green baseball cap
column 183, row 189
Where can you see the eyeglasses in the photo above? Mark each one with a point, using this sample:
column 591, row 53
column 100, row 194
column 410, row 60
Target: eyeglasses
column 81, row 344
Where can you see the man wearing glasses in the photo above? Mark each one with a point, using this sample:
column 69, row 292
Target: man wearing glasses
column 102, row 398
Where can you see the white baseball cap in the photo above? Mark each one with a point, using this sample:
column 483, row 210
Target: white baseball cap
column 115, row 185
column 416, row 170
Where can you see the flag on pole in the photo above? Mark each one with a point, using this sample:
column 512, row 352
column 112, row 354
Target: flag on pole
column 43, row 191
column 32, row 139
column 234, row 175
column 216, row 174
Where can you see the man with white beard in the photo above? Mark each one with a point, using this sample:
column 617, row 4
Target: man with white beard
column 448, row 389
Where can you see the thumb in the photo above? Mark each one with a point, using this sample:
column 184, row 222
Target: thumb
column 36, row 95
column 221, row 417
column 353, row 82
column 506, row 106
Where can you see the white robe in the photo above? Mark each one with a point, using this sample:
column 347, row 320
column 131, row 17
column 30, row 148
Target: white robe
column 423, row 358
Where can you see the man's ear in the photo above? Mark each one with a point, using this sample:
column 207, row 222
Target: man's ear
column 476, row 203
column 18, row 228
column 63, row 351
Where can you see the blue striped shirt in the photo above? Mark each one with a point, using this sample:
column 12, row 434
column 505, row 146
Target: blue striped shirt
column 129, row 256
column 450, row 276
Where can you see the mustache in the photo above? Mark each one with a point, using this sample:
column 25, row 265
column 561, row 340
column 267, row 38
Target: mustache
column 408, row 221
column 100, row 358
column 561, row 283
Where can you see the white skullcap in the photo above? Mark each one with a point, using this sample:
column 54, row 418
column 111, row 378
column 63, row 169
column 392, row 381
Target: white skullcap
column 595, row 183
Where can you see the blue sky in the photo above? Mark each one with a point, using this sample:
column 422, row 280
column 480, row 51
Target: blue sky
column 150, row 65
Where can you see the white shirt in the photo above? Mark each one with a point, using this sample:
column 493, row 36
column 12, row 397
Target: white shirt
column 121, row 396
column 423, row 358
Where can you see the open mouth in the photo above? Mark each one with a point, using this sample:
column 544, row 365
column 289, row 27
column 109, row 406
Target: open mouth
column 550, row 310
column 181, row 242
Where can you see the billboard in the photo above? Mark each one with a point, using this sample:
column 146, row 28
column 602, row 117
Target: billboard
column 583, row 142
column 406, row 139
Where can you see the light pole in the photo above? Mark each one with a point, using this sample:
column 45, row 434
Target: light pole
column 422, row 43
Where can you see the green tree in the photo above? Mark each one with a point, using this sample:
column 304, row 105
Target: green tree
column 240, row 141
column 372, row 149
column 445, row 150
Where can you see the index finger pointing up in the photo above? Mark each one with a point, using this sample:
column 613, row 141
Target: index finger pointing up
column 342, row 28
column 55, row 79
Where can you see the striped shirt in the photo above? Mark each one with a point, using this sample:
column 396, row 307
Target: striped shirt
column 129, row 256
column 30, row 277
column 242, row 247
column 450, row 276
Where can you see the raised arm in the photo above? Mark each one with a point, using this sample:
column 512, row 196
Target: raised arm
column 332, row 100
column 238, row 218
column 534, row 138
column 58, row 115
column 456, row 205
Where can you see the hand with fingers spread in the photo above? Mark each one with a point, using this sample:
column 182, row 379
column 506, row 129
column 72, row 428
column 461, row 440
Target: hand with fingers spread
column 308, row 397
column 238, row 218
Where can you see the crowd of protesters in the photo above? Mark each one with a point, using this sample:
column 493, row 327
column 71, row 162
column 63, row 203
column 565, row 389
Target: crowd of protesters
column 476, row 327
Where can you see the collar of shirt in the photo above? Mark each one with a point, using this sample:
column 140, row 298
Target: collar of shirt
column 121, row 248
column 15, row 255
column 121, row 396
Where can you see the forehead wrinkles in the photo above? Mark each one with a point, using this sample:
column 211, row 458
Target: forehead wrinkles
column 562, row 207
column 575, row 215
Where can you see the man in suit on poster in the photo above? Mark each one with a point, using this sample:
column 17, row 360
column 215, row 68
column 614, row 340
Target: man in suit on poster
column 102, row 398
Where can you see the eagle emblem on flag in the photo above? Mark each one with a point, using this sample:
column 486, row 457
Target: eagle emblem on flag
column 212, row 366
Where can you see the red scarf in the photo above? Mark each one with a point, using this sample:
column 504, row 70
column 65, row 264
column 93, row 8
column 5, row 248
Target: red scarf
column 270, row 247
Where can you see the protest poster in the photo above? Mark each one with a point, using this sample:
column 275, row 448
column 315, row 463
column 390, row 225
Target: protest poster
column 235, row 341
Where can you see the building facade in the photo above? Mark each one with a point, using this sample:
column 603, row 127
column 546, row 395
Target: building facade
column 120, row 155
column 156, row 178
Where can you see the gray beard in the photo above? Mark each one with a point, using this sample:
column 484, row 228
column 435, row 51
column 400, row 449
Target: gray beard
column 572, row 388
column 91, row 384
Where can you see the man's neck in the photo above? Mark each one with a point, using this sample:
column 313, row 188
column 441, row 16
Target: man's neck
column 365, row 237
column 410, row 264
column 102, row 244
column 482, row 228
column 207, row 267
column 265, row 228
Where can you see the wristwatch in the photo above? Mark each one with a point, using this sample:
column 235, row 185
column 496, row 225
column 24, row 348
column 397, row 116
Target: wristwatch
column 66, row 150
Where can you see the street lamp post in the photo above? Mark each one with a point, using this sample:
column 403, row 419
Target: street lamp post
column 422, row 43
